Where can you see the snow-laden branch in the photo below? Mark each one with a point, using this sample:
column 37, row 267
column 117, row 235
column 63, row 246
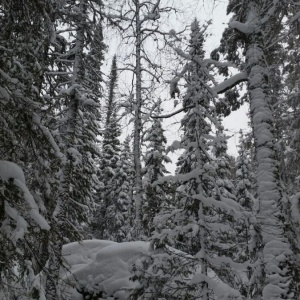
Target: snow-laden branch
column 249, row 26
column 246, row 28
column 209, row 61
column 253, row 21
column 220, row 288
column 10, row 170
column 230, row 82
column 116, row 16
column 218, row 89
column 48, row 136
column 173, row 113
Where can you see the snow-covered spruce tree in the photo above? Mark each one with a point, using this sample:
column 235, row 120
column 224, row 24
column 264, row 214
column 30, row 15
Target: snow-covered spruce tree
column 103, row 219
column 255, row 27
column 77, row 129
column 289, row 168
column 225, row 186
column 286, row 118
column 244, row 185
column 155, row 158
column 122, row 212
column 289, row 118
column 192, row 227
column 244, row 176
column 224, row 190
column 108, row 168
column 25, row 141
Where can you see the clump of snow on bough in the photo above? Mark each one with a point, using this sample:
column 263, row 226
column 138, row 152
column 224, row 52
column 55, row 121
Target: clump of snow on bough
column 11, row 171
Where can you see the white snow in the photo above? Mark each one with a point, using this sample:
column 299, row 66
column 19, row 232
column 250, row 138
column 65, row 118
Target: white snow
column 100, row 265
column 228, row 83
column 9, row 170
column 34, row 211
column 248, row 27
column 21, row 224
column 242, row 27
column 90, row 102
column 76, row 155
column 37, row 120
column 69, row 91
column 222, row 290
column 106, row 266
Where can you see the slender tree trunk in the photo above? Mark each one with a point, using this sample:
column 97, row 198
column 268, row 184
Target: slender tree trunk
column 203, row 239
column 138, row 125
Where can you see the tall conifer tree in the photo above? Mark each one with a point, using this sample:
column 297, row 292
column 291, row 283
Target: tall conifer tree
column 109, row 159
column 155, row 158
column 26, row 33
column 78, row 127
column 255, row 27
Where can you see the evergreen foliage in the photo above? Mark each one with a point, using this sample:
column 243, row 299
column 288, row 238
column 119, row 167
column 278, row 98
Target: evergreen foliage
column 244, row 176
column 122, row 212
column 193, row 226
column 108, row 176
column 219, row 228
column 154, row 170
column 251, row 23
column 225, row 187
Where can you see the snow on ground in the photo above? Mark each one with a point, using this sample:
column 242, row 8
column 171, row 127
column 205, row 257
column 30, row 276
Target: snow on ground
column 101, row 266
column 104, row 269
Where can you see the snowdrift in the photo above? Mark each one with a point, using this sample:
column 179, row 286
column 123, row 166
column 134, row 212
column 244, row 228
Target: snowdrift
column 101, row 268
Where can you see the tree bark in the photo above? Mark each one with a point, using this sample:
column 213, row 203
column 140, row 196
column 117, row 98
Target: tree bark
column 138, row 125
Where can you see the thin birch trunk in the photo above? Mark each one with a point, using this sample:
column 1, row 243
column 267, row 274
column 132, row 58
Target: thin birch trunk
column 138, row 125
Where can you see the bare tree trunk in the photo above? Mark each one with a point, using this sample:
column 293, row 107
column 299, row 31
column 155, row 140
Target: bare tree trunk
column 203, row 262
column 138, row 125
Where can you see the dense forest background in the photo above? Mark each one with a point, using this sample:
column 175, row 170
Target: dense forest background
column 84, row 157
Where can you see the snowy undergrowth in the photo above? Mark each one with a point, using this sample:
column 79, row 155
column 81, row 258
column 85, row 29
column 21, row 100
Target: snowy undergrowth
column 101, row 269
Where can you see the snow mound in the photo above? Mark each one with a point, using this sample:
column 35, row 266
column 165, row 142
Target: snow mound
column 9, row 170
column 100, row 267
